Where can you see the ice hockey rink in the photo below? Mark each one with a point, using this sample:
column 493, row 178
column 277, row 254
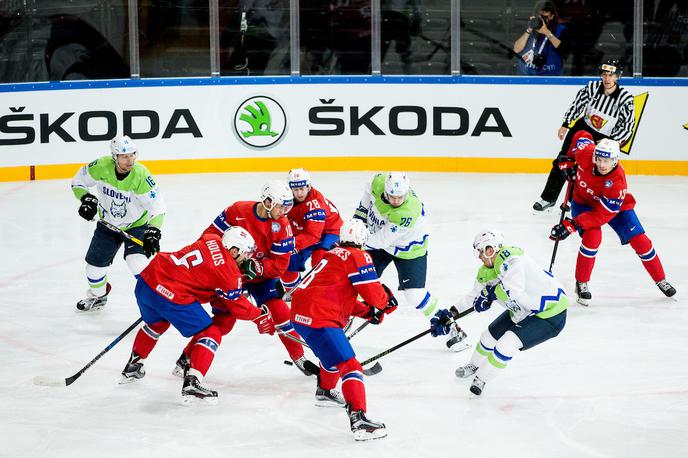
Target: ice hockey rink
column 613, row 384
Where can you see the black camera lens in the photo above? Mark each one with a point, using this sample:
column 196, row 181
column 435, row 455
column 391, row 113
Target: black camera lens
column 535, row 23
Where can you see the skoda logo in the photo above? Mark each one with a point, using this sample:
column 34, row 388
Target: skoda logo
column 260, row 122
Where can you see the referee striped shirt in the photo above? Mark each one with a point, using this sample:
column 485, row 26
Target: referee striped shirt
column 610, row 115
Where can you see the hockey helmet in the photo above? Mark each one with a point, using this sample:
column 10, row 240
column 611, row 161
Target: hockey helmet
column 487, row 238
column 279, row 194
column 611, row 66
column 354, row 231
column 239, row 238
column 397, row 184
column 122, row 145
column 298, row 178
column 608, row 149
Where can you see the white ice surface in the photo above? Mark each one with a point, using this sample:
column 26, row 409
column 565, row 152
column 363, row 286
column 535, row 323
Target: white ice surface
column 613, row 384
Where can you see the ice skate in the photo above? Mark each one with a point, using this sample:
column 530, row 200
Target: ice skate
column 477, row 386
column 466, row 371
column 583, row 293
column 92, row 302
column 329, row 398
column 133, row 370
column 182, row 366
column 541, row 205
column 665, row 287
column 193, row 391
column 457, row 338
column 363, row 428
column 306, row 366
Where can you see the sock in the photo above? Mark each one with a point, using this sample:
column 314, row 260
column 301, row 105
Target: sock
column 147, row 337
column 590, row 242
column 203, row 351
column 328, row 377
column 353, row 388
column 97, row 280
column 499, row 358
column 646, row 252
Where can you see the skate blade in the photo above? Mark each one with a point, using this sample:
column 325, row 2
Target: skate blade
column 91, row 310
column 328, row 404
column 546, row 211
column 463, row 377
column 127, row 380
column 178, row 372
column 583, row 302
column 362, row 435
column 188, row 401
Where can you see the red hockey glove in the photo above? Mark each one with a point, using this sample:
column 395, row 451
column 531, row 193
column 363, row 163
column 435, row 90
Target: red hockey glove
column 392, row 302
column 375, row 315
column 252, row 268
column 568, row 168
column 563, row 230
column 264, row 321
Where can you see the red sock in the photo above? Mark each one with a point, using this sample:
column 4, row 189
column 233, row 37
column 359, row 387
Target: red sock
column 590, row 242
column 147, row 337
column 353, row 387
column 224, row 323
column 280, row 315
column 643, row 248
column 203, row 351
column 289, row 280
column 328, row 377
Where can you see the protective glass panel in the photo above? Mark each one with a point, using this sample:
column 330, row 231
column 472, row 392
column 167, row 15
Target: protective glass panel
column 53, row 40
column 498, row 37
column 665, row 52
column 335, row 37
column 254, row 38
column 416, row 37
column 174, row 38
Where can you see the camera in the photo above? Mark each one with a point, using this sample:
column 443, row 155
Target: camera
column 539, row 60
column 535, row 23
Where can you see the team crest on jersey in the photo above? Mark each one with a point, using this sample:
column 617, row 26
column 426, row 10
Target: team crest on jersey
column 153, row 194
column 608, row 183
column 597, row 121
column 275, row 227
column 118, row 210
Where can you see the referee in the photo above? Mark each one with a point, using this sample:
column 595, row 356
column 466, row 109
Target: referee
column 601, row 108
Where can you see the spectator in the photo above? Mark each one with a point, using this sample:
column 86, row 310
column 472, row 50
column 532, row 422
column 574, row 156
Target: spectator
column 544, row 45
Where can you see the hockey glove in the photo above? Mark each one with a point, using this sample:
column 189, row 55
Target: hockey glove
column 563, row 230
column 252, row 268
column 484, row 300
column 264, row 321
column 151, row 240
column 392, row 302
column 88, row 207
column 375, row 315
column 568, row 168
column 440, row 323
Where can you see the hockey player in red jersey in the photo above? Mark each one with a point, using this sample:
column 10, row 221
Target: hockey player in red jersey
column 266, row 222
column 600, row 197
column 315, row 222
column 171, row 289
column 321, row 306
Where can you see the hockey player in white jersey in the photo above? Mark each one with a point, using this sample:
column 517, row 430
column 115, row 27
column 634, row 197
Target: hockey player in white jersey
column 397, row 222
column 535, row 301
column 128, row 198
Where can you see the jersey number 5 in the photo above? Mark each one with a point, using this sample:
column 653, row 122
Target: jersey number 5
column 190, row 259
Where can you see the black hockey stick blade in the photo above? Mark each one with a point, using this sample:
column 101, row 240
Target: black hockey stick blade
column 374, row 369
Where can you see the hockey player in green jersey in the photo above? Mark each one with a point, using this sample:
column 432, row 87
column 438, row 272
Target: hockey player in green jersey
column 397, row 222
column 535, row 301
column 128, row 198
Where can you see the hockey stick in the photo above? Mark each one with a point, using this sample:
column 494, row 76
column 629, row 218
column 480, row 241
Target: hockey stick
column 288, row 294
column 48, row 381
column 376, row 368
column 567, row 198
column 124, row 234
column 357, row 330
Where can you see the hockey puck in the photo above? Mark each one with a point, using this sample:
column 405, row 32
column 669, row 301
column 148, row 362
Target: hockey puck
column 288, row 363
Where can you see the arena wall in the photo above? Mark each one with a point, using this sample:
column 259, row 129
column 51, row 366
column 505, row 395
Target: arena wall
column 449, row 124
